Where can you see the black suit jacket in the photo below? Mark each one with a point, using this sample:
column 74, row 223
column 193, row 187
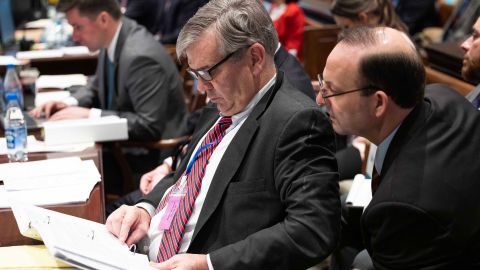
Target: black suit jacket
column 273, row 202
column 144, row 12
column 425, row 213
column 148, row 90
column 294, row 71
column 172, row 15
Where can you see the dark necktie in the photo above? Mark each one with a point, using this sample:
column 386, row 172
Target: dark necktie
column 110, row 83
column 194, row 173
column 375, row 179
column 476, row 102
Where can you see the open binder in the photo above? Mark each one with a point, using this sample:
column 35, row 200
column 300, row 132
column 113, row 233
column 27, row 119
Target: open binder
column 79, row 242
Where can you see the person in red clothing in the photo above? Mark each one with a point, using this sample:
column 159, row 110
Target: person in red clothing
column 289, row 20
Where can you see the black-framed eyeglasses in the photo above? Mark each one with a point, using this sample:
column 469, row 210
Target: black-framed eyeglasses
column 331, row 93
column 206, row 74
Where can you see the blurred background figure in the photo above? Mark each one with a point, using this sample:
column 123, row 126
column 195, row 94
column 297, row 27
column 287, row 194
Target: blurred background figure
column 162, row 18
column 417, row 15
column 351, row 13
column 289, row 20
column 144, row 12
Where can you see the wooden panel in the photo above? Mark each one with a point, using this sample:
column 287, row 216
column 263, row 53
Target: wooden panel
column 317, row 45
column 435, row 76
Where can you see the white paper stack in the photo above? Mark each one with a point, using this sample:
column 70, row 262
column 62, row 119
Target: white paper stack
column 51, row 181
column 76, row 241
column 360, row 193
column 36, row 146
column 60, row 81
column 110, row 128
column 53, row 53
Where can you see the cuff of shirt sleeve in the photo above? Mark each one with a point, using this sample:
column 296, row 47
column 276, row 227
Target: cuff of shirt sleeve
column 209, row 262
column 168, row 161
column 70, row 101
column 148, row 207
column 95, row 113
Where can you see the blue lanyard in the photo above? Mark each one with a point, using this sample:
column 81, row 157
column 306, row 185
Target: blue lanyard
column 199, row 150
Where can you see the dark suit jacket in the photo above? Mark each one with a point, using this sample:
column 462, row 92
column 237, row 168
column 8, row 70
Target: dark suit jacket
column 294, row 72
column 425, row 213
column 273, row 202
column 172, row 16
column 148, row 87
column 144, row 12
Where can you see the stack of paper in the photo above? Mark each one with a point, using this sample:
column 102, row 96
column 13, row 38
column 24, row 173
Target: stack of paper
column 36, row 146
column 110, row 128
column 76, row 241
column 361, row 192
column 52, row 181
column 53, row 53
column 60, row 81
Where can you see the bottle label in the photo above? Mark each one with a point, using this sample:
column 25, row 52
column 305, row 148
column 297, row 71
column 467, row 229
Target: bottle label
column 13, row 95
column 16, row 138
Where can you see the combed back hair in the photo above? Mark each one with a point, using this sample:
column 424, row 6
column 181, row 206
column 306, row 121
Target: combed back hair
column 400, row 74
column 381, row 8
column 236, row 23
column 91, row 8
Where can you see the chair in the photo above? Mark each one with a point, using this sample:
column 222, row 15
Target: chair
column 193, row 99
column 317, row 45
column 435, row 76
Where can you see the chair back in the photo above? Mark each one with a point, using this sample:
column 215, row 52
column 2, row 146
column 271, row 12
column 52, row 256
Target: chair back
column 317, row 45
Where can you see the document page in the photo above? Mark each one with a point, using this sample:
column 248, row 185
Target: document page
column 79, row 242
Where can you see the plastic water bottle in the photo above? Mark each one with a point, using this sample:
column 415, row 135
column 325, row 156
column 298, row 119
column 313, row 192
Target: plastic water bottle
column 3, row 105
column 15, row 133
column 13, row 87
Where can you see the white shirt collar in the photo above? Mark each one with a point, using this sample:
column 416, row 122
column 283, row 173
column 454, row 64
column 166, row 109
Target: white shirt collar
column 382, row 150
column 113, row 44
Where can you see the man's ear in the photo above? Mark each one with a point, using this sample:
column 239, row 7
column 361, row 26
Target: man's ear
column 257, row 58
column 381, row 103
column 104, row 18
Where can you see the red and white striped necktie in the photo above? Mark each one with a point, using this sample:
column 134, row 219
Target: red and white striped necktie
column 194, row 173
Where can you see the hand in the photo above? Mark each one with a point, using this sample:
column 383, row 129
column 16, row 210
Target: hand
column 48, row 108
column 129, row 223
column 184, row 262
column 73, row 112
column 150, row 179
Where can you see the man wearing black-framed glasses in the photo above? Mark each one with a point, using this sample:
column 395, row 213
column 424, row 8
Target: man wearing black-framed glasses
column 422, row 215
column 275, row 156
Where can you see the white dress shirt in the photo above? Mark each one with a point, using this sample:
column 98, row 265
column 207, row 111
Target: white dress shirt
column 154, row 234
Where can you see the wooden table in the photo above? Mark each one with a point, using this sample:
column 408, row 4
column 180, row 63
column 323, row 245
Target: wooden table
column 93, row 209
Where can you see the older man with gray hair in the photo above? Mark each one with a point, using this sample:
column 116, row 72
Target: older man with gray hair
column 257, row 189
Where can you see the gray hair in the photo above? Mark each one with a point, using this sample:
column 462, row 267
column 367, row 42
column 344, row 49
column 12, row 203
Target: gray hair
column 236, row 23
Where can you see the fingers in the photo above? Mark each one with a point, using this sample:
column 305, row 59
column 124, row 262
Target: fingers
column 36, row 112
column 114, row 221
column 134, row 225
column 49, row 109
column 145, row 183
column 128, row 220
column 161, row 266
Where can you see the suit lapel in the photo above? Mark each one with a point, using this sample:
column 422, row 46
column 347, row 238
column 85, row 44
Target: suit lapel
column 409, row 126
column 233, row 157
column 122, row 36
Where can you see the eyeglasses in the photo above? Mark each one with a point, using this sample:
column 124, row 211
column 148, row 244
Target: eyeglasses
column 326, row 93
column 206, row 74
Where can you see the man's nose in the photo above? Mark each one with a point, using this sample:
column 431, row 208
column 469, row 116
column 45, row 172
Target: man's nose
column 203, row 85
column 320, row 100
column 467, row 44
